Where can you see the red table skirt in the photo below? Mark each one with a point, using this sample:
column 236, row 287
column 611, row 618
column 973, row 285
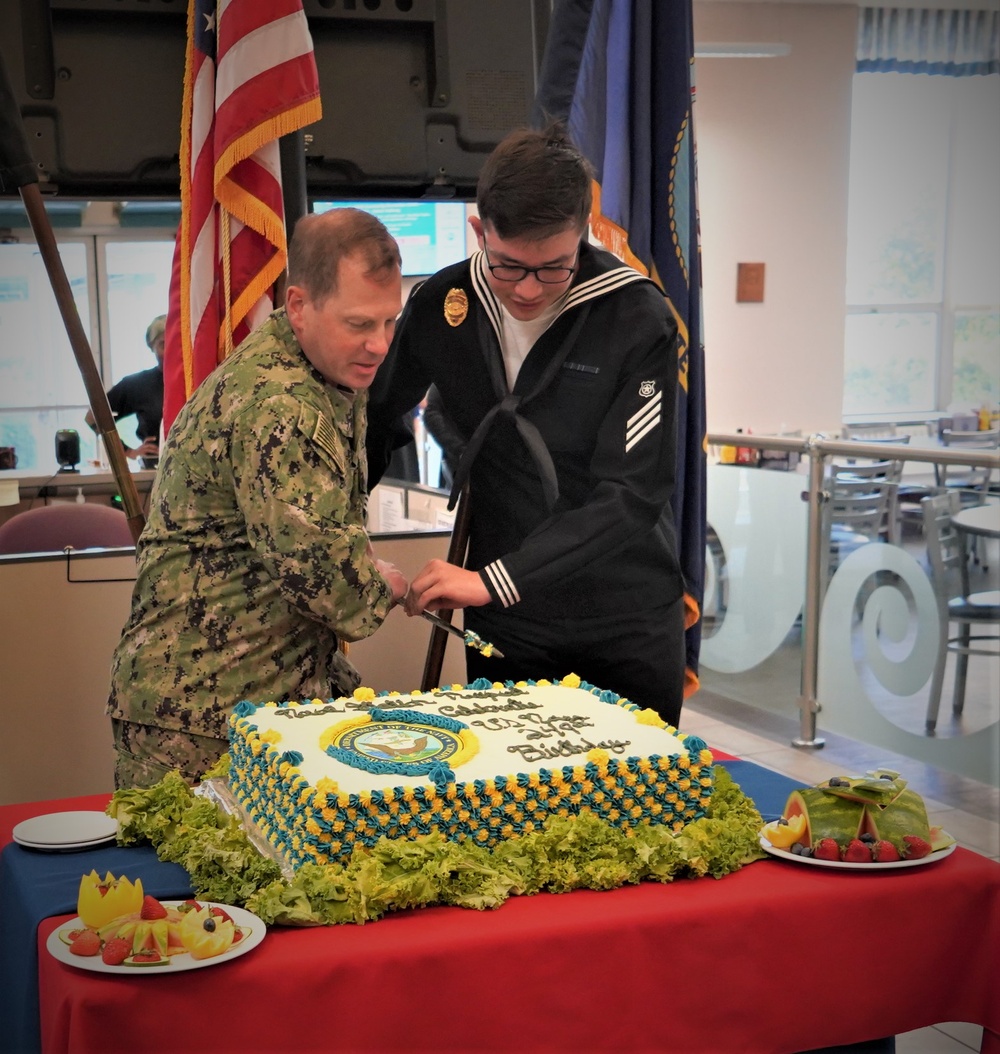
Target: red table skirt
column 778, row 957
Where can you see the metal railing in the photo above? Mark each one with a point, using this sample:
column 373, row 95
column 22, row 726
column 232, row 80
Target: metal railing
column 818, row 449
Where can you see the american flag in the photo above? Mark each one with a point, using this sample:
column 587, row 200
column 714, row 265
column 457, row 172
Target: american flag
column 250, row 77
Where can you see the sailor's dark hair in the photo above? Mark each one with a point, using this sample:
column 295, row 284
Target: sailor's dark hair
column 534, row 184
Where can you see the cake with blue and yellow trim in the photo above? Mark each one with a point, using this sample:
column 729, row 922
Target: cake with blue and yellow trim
column 484, row 762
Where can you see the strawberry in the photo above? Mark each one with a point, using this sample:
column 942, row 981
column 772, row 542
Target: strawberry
column 826, row 849
column 152, row 908
column 221, row 913
column 916, row 847
column 237, row 935
column 857, row 852
column 116, row 951
column 87, row 943
column 884, row 852
column 73, row 934
column 189, row 905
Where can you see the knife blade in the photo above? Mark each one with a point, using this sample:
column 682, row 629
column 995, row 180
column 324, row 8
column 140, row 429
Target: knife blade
column 467, row 637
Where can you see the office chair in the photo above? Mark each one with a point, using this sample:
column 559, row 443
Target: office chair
column 53, row 528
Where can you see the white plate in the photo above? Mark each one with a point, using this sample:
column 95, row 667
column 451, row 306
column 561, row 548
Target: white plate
column 850, row 865
column 60, row 830
column 253, row 933
column 65, row 847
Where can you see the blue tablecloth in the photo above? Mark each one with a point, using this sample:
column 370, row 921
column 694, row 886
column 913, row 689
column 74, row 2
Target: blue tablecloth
column 769, row 790
column 37, row 885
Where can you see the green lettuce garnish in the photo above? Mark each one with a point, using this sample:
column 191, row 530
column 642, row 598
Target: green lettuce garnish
column 151, row 814
column 576, row 852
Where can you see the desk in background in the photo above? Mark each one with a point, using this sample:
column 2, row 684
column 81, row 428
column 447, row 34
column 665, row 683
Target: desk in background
column 778, row 957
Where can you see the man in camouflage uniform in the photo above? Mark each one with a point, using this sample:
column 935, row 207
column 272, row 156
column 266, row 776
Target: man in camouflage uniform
column 254, row 561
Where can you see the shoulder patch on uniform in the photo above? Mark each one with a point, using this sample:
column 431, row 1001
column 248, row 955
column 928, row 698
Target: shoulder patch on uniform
column 647, row 388
column 320, row 430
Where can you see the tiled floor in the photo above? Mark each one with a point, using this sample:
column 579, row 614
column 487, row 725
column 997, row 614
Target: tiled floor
column 968, row 810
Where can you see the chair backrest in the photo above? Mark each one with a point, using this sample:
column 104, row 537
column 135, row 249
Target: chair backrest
column 877, row 471
column 967, row 477
column 903, row 438
column 945, row 547
column 53, row 528
column 858, row 506
column 884, row 430
column 986, row 440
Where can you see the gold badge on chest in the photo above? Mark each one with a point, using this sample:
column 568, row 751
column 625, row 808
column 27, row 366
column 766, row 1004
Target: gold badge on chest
column 456, row 307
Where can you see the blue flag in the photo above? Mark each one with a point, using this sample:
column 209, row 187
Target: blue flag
column 619, row 74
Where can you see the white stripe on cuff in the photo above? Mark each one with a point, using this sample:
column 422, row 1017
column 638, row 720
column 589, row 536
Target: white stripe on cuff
column 502, row 583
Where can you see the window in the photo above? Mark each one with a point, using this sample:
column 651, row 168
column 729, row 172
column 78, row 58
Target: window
column 923, row 257
column 120, row 283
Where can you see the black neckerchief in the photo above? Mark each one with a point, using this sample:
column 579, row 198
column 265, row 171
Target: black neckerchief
column 578, row 299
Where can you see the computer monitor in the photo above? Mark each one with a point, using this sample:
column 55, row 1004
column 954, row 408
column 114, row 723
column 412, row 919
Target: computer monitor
column 431, row 234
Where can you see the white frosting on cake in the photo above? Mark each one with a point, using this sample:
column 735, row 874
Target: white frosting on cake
column 518, row 730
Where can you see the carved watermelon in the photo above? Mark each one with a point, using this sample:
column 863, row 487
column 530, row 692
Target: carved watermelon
column 878, row 788
column 841, row 813
column 827, row 815
column 905, row 814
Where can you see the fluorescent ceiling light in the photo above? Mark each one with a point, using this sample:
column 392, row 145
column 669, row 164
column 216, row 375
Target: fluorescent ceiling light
column 741, row 51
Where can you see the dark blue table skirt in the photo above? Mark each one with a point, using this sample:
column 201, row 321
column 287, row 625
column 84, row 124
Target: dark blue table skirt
column 37, row 885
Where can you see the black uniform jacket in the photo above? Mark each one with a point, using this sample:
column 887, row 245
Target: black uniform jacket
column 572, row 472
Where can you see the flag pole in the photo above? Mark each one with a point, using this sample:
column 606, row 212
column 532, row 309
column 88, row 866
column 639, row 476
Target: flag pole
column 457, row 548
column 99, row 405
column 17, row 166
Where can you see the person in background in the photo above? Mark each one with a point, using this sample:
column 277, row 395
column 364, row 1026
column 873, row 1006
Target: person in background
column 141, row 394
column 557, row 364
column 254, row 563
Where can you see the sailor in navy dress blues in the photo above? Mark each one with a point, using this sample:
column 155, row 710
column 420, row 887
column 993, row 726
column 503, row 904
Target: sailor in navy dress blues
column 558, row 364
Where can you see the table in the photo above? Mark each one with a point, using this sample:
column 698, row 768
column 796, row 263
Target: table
column 982, row 520
column 778, row 957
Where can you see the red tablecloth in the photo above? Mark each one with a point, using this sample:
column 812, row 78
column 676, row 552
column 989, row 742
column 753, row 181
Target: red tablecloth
column 778, row 957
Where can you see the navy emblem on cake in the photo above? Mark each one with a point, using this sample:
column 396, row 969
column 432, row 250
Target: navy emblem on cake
column 401, row 742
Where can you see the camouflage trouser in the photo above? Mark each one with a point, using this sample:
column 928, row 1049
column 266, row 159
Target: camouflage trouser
column 145, row 754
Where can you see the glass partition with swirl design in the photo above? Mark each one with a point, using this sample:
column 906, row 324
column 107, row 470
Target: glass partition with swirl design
column 880, row 628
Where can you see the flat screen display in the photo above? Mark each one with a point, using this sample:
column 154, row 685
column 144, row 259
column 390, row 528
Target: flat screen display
column 431, row 234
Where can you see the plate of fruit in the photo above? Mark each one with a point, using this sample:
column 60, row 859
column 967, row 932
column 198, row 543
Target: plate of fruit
column 868, row 823
column 160, row 937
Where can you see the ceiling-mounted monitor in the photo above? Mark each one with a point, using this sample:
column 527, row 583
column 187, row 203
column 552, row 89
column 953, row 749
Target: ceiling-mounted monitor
column 415, row 93
column 431, row 234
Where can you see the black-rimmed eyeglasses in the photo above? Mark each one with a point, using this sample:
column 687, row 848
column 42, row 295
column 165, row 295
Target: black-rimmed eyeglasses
column 545, row 275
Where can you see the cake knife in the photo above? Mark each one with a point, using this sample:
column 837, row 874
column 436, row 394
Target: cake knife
column 467, row 637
